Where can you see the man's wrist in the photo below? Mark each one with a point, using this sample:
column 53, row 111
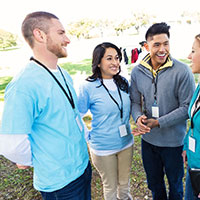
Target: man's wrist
column 157, row 124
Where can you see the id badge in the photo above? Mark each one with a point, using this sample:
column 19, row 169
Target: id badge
column 122, row 130
column 192, row 144
column 79, row 123
column 155, row 111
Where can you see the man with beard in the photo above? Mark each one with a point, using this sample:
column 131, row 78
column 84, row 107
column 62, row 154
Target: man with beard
column 41, row 125
column 161, row 89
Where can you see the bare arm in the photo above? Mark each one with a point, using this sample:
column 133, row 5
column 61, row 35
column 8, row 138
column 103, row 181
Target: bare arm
column 184, row 155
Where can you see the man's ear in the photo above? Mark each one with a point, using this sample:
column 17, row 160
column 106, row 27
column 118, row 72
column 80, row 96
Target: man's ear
column 146, row 46
column 39, row 35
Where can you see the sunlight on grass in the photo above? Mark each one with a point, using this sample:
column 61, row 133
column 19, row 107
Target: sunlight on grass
column 3, row 83
column 83, row 66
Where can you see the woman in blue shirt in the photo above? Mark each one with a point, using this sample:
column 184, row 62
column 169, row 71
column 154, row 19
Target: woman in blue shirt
column 191, row 152
column 106, row 94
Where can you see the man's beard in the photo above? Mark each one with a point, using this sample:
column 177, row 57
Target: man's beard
column 56, row 49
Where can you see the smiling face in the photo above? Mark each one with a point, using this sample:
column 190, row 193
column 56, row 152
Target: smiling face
column 57, row 40
column 194, row 56
column 110, row 64
column 158, row 46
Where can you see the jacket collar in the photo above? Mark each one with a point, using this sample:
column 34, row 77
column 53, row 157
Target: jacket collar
column 146, row 62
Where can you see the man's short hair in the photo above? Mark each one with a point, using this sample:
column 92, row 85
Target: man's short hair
column 142, row 43
column 158, row 28
column 35, row 20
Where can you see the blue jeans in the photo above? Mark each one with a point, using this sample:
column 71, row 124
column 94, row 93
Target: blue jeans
column 157, row 162
column 189, row 195
column 79, row 189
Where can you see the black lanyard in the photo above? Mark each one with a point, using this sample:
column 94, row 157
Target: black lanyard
column 155, row 82
column 70, row 99
column 120, row 109
column 195, row 111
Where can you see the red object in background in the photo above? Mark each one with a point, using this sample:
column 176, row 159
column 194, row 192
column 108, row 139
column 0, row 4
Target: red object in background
column 134, row 55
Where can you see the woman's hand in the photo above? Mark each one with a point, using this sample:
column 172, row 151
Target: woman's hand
column 136, row 132
column 19, row 166
column 184, row 155
column 141, row 124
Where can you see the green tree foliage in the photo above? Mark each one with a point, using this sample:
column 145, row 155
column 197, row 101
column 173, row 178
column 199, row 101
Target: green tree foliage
column 140, row 19
column 84, row 27
column 7, row 39
column 189, row 17
column 137, row 21
column 122, row 26
column 81, row 28
column 101, row 25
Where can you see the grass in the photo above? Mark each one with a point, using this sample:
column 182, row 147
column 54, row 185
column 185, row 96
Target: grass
column 9, row 49
column 16, row 184
column 3, row 82
column 83, row 66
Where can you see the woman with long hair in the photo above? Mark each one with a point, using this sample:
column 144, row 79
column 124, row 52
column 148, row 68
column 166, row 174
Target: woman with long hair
column 191, row 155
column 106, row 94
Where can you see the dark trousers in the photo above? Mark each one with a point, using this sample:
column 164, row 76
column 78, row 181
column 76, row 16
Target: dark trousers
column 157, row 162
column 79, row 189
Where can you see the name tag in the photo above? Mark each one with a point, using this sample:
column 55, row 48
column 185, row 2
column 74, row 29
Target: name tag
column 192, row 144
column 122, row 130
column 155, row 111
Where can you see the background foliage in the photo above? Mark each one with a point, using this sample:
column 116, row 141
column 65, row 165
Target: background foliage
column 7, row 40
